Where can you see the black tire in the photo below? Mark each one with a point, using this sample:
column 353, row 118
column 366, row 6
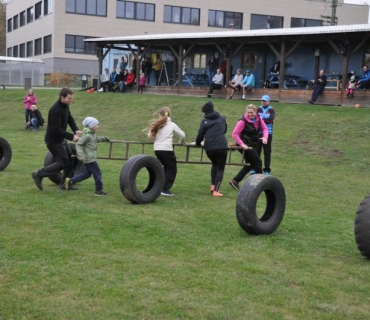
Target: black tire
column 362, row 227
column 128, row 179
column 246, row 204
column 5, row 154
column 76, row 164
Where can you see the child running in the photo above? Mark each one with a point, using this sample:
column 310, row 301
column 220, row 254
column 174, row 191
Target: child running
column 162, row 130
column 86, row 149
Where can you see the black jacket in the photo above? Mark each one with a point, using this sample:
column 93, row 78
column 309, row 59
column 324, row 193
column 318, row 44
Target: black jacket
column 37, row 114
column 212, row 129
column 58, row 119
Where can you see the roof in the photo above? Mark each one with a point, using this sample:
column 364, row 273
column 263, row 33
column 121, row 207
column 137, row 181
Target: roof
column 241, row 33
column 11, row 59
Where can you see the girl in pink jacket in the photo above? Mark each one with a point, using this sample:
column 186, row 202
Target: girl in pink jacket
column 29, row 100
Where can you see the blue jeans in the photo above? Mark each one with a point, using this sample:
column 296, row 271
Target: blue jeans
column 89, row 169
column 27, row 114
column 211, row 74
column 35, row 123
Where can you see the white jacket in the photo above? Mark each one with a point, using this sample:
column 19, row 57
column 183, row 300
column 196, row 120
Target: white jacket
column 164, row 139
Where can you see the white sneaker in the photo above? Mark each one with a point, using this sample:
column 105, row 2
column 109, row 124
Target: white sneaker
column 101, row 90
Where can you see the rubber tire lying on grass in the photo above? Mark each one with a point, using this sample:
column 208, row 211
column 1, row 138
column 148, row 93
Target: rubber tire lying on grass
column 246, row 204
column 362, row 227
column 128, row 176
column 76, row 164
column 5, row 154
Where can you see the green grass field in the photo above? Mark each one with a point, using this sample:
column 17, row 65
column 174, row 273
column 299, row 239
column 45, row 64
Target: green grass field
column 70, row 255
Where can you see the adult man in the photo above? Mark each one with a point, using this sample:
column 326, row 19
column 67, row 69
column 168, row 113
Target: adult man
column 58, row 119
column 320, row 84
column 157, row 69
column 217, row 82
column 236, row 82
column 248, row 83
column 364, row 83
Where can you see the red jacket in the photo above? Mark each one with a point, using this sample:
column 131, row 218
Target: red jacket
column 130, row 79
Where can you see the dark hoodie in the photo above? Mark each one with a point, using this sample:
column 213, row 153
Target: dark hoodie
column 212, row 129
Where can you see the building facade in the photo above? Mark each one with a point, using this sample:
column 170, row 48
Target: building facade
column 54, row 31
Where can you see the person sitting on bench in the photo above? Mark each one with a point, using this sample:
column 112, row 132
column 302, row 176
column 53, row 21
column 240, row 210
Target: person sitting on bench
column 217, row 83
column 236, row 82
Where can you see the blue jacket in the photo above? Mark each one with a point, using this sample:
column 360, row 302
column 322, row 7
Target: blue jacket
column 268, row 115
column 249, row 80
column 366, row 76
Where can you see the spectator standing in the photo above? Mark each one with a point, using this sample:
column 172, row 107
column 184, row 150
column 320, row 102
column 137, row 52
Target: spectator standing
column 247, row 134
column 267, row 113
column 123, row 62
column 248, row 83
column 320, row 84
column 59, row 118
column 157, row 69
column 161, row 130
column 236, row 82
column 29, row 100
column 212, row 67
column 36, row 119
column 148, row 69
column 104, row 84
column 351, row 86
column 142, row 82
column 217, row 83
column 212, row 131
column 364, row 82
column 86, row 149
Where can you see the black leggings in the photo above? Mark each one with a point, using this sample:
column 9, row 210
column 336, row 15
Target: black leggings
column 218, row 159
column 251, row 157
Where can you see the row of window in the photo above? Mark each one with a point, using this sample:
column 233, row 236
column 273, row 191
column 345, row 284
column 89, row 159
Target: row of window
column 182, row 15
column 27, row 16
column 31, row 48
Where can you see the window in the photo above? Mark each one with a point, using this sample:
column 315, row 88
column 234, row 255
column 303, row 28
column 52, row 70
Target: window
column 38, row 47
column 249, row 61
column 29, row 52
column 89, row 7
column 9, row 52
column 181, row 15
column 47, row 44
column 225, row 19
column 22, row 50
column 22, row 18
column 29, row 14
column 259, row 21
column 135, row 10
column 298, row 23
column 76, row 44
column 15, row 22
column 38, row 12
column 200, row 61
column 10, row 24
column 15, row 51
column 47, row 7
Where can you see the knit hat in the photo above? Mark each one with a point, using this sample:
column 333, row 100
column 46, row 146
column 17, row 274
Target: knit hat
column 90, row 122
column 353, row 78
column 208, row 107
column 247, row 71
column 265, row 98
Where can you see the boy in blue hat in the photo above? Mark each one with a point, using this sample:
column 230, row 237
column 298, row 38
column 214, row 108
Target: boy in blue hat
column 267, row 113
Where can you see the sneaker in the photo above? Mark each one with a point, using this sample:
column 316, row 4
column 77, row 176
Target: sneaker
column 167, row 193
column 252, row 172
column 234, row 184
column 37, row 180
column 100, row 193
column 241, row 98
column 266, row 173
column 311, row 102
column 230, row 97
column 70, row 188
column 217, row 194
